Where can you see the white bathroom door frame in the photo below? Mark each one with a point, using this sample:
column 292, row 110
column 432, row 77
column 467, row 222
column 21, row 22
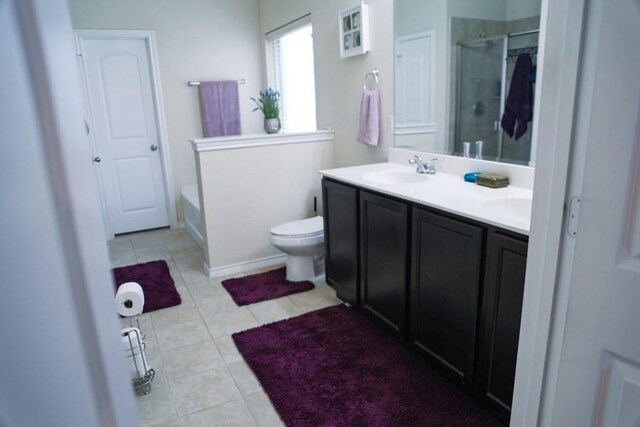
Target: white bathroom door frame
column 148, row 36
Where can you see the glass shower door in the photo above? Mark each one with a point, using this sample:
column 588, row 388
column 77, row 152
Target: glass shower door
column 480, row 91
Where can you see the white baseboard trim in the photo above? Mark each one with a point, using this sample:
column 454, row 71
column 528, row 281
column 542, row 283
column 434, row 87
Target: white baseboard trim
column 241, row 267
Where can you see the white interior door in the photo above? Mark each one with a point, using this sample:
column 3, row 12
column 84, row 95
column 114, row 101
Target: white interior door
column 414, row 69
column 126, row 133
column 598, row 381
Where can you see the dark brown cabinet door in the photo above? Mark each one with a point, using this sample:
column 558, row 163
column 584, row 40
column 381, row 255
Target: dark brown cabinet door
column 383, row 246
column 341, row 239
column 445, row 291
column 502, row 309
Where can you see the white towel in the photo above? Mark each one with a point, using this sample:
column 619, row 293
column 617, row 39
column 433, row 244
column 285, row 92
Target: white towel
column 369, row 132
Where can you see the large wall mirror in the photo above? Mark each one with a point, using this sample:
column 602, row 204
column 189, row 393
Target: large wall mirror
column 466, row 72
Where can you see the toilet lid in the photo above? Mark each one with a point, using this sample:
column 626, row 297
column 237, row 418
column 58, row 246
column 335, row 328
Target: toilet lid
column 303, row 227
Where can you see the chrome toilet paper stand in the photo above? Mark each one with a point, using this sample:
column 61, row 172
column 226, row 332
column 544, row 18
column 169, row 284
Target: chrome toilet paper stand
column 141, row 384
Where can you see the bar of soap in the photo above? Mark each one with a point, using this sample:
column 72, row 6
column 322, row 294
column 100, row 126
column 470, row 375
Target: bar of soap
column 492, row 180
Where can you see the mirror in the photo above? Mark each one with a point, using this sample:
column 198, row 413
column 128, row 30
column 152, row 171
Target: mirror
column 465, row 72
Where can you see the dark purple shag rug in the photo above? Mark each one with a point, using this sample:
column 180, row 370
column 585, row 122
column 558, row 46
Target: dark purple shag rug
column 155, row 280
column 333, row 367
column 263, row 286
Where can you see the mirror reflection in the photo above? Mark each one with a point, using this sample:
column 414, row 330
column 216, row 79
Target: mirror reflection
column 465, row 77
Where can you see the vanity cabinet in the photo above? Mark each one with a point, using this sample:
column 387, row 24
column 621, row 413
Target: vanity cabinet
column 383, row 259
column 342, row 250
column 501, row 312
column 445, row 290
column 450, row 287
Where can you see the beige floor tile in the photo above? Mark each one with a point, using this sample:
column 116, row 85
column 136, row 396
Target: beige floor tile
column 262, row 409
column 156, row 362
column 174, row 422
column 228, row 349
column 185, row 295
column 321, row 296
column 153, row 253
column 274, row 310
column 157, row 406
column 179, row 240
column 173, row 315
column 210, row 299
column 123, row 261
column 192, row 359
column 204, row 390
column 181, row 334
column 146, row 239
column 193, row 252
column 121, row 251
column 243, row 376
column 228, row 322
column 192, row 271
column 231, row 414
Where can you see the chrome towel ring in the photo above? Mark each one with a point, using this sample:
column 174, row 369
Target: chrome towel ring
column 373, row 73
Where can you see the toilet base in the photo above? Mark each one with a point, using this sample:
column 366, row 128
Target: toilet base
column 300, row 268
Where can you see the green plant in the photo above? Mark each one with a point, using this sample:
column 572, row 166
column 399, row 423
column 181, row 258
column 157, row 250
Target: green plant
column 268, row 103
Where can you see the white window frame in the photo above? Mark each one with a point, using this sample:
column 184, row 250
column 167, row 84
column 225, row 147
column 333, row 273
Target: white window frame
column 272, row 69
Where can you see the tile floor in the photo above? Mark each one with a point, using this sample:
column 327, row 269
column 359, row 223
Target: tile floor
column 201, row 379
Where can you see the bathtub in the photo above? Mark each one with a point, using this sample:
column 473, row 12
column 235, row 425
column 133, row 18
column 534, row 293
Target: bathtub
column 192, row 217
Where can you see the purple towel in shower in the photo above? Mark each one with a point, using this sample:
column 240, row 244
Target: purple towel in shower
column 369, row 132
column 220, row 108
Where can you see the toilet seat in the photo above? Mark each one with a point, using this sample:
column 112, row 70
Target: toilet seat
column 304, row 228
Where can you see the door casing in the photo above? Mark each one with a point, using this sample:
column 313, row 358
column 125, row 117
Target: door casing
column 148, row 37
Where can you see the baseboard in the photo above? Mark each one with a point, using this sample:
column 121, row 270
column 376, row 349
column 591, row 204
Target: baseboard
column 241, row 267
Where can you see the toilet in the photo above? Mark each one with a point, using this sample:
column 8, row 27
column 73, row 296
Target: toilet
column 303, row 242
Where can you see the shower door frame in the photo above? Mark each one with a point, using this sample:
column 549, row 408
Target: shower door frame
column 503, row 88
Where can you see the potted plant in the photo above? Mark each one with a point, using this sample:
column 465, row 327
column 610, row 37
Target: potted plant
column 268, row 104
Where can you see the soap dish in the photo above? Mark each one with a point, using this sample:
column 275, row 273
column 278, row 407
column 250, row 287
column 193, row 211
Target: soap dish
column 492, row 180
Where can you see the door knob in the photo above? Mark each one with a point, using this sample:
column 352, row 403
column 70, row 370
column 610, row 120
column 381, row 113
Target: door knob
column 154, row 147
column 97, row 159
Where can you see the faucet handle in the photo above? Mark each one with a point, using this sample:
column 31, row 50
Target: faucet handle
column 415, row 159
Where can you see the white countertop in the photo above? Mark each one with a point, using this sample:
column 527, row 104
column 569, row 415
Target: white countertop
column 508, row 208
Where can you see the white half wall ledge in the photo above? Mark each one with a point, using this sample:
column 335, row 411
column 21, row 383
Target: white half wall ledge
column 259, row 140
column 243, row 267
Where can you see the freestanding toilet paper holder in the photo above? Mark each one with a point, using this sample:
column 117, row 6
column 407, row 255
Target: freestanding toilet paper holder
column 136, row 351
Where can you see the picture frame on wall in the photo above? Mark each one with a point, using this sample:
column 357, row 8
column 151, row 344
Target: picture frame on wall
column 354, row 31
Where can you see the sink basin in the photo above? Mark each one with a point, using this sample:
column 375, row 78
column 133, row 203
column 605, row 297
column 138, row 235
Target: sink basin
column 518, row 209
column 393, row 177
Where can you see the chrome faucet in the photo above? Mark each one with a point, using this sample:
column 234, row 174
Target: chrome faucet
column 428, row 168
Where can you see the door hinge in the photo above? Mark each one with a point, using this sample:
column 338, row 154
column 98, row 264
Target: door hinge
column 573, row 215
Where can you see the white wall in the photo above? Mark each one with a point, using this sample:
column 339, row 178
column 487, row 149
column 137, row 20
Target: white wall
column 61, row 362
column 197, row 40
column 518, row 9
column 247, row 191
column 339, row 81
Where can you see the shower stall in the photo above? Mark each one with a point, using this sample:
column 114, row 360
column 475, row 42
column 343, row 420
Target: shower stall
column 484, row 68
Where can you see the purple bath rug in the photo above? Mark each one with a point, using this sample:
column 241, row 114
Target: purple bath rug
column 333, row 367
column 263, row 286
column 155, row 280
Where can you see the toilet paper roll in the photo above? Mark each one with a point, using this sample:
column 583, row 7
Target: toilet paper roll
column 129, row 299
column 134, row 349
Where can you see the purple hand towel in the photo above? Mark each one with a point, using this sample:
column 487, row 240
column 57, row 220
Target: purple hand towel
column 220, row 108
column 369, row 132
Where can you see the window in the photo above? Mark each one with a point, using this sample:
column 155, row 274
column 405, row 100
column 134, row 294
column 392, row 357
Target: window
column 291, row 72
